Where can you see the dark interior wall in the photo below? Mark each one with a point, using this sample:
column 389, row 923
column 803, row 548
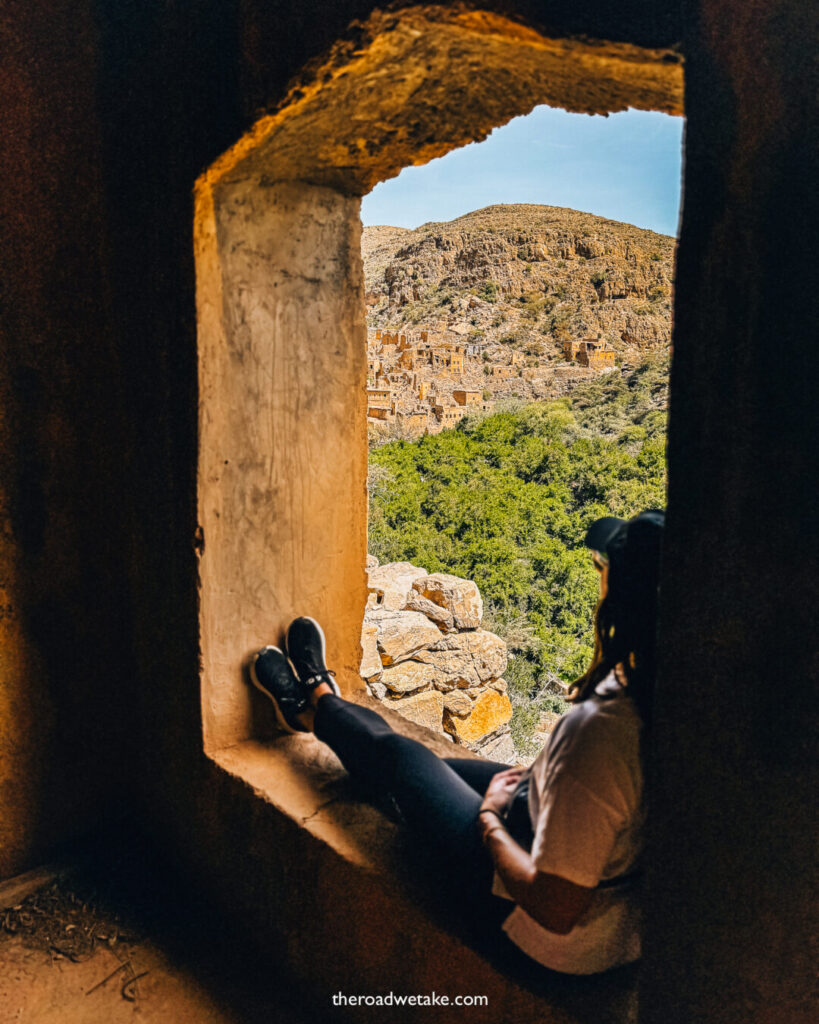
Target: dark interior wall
column 169, row 103
column 65, row 600
column 734, row 840
column 109, row 112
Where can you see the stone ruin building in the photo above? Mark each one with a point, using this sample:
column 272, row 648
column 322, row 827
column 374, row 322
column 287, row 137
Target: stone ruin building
column 594, row 353
column 412, row 378
column 427, row 370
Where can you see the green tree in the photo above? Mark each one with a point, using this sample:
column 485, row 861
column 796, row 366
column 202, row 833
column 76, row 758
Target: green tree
column 505, row 499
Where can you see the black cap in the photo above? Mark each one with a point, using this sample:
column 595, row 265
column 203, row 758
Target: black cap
column 635, row 541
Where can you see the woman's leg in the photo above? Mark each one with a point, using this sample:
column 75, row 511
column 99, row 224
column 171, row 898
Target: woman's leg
column 438, row 805
column 432, row 797
column 477, row 772
column 357, row 747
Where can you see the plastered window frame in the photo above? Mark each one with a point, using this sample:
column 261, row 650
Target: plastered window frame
column 282, row 501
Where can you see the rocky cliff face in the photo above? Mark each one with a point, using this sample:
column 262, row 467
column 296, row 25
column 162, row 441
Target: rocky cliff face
column 425, row 655
column 524, row 276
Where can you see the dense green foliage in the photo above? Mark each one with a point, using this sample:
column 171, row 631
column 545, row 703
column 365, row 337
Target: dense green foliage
column 505, row 500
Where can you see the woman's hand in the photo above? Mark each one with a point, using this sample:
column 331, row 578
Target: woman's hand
column 500, row 790
column 554, row 902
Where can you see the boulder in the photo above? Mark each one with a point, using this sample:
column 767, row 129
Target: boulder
column 407, row 677
column 456, row 702
column 466, row 659
column 543, row 729
column 378, row 690
column 452, row 669
column 426, row 708
column 500, row 685
column 460, row 597
column 372, row 562
column 370, row 667
column 401, row 634
column 442, row 617
column 390, row 584
column 489, row 712
column 499, row 747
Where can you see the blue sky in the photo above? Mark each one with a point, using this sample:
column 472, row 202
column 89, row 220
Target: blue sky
column 625, row 166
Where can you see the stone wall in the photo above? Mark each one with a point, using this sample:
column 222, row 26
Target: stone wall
column 425, row 656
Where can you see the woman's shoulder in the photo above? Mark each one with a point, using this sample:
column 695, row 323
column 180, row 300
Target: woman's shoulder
column 595, row 736
column 608, row 708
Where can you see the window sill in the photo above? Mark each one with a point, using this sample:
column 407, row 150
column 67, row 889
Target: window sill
column 303, row 779
column 346, row 838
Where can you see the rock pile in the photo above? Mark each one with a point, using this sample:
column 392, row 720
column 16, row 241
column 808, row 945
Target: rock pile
column 425, row 656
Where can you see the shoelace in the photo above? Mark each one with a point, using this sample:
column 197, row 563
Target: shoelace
column 320, row 677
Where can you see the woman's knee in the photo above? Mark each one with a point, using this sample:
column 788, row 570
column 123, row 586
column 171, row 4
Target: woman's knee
column 396, row 752
column 393, row 745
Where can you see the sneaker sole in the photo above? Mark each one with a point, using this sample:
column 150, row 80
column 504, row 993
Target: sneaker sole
column 285, row 725
column 332, row 683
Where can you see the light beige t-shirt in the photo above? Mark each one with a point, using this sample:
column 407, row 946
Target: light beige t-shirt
column 586, row 805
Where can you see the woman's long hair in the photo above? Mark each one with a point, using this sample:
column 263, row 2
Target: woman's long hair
column 625, row 632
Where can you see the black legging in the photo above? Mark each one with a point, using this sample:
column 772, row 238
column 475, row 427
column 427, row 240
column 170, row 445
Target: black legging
column 439, row 798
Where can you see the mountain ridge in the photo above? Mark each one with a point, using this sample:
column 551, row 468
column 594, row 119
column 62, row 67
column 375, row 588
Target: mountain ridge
column 504, row 206
column 524, row 275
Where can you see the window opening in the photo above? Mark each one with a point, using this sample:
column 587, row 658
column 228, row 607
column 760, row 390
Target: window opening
column 282, row 333
column 519, row 306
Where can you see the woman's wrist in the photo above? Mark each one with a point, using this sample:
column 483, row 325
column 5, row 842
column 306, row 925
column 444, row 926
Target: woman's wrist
column 491, row 821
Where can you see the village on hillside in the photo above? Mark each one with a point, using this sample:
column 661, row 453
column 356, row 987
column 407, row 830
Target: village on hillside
column 424, row 381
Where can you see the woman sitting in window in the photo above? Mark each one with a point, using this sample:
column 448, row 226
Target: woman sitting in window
column 560, row 840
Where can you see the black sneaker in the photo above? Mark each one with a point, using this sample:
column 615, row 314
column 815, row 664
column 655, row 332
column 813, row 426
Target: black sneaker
column 307, row 651
column 271, row 673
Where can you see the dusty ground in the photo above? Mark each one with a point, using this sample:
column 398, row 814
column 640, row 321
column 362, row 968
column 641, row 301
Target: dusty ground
column 36, row 988
column 115, row 942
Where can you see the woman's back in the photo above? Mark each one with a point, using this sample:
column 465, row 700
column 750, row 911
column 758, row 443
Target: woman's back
column 586, row 805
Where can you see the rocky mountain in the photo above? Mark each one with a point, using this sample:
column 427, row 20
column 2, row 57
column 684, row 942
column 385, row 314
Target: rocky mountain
column 524, row 276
